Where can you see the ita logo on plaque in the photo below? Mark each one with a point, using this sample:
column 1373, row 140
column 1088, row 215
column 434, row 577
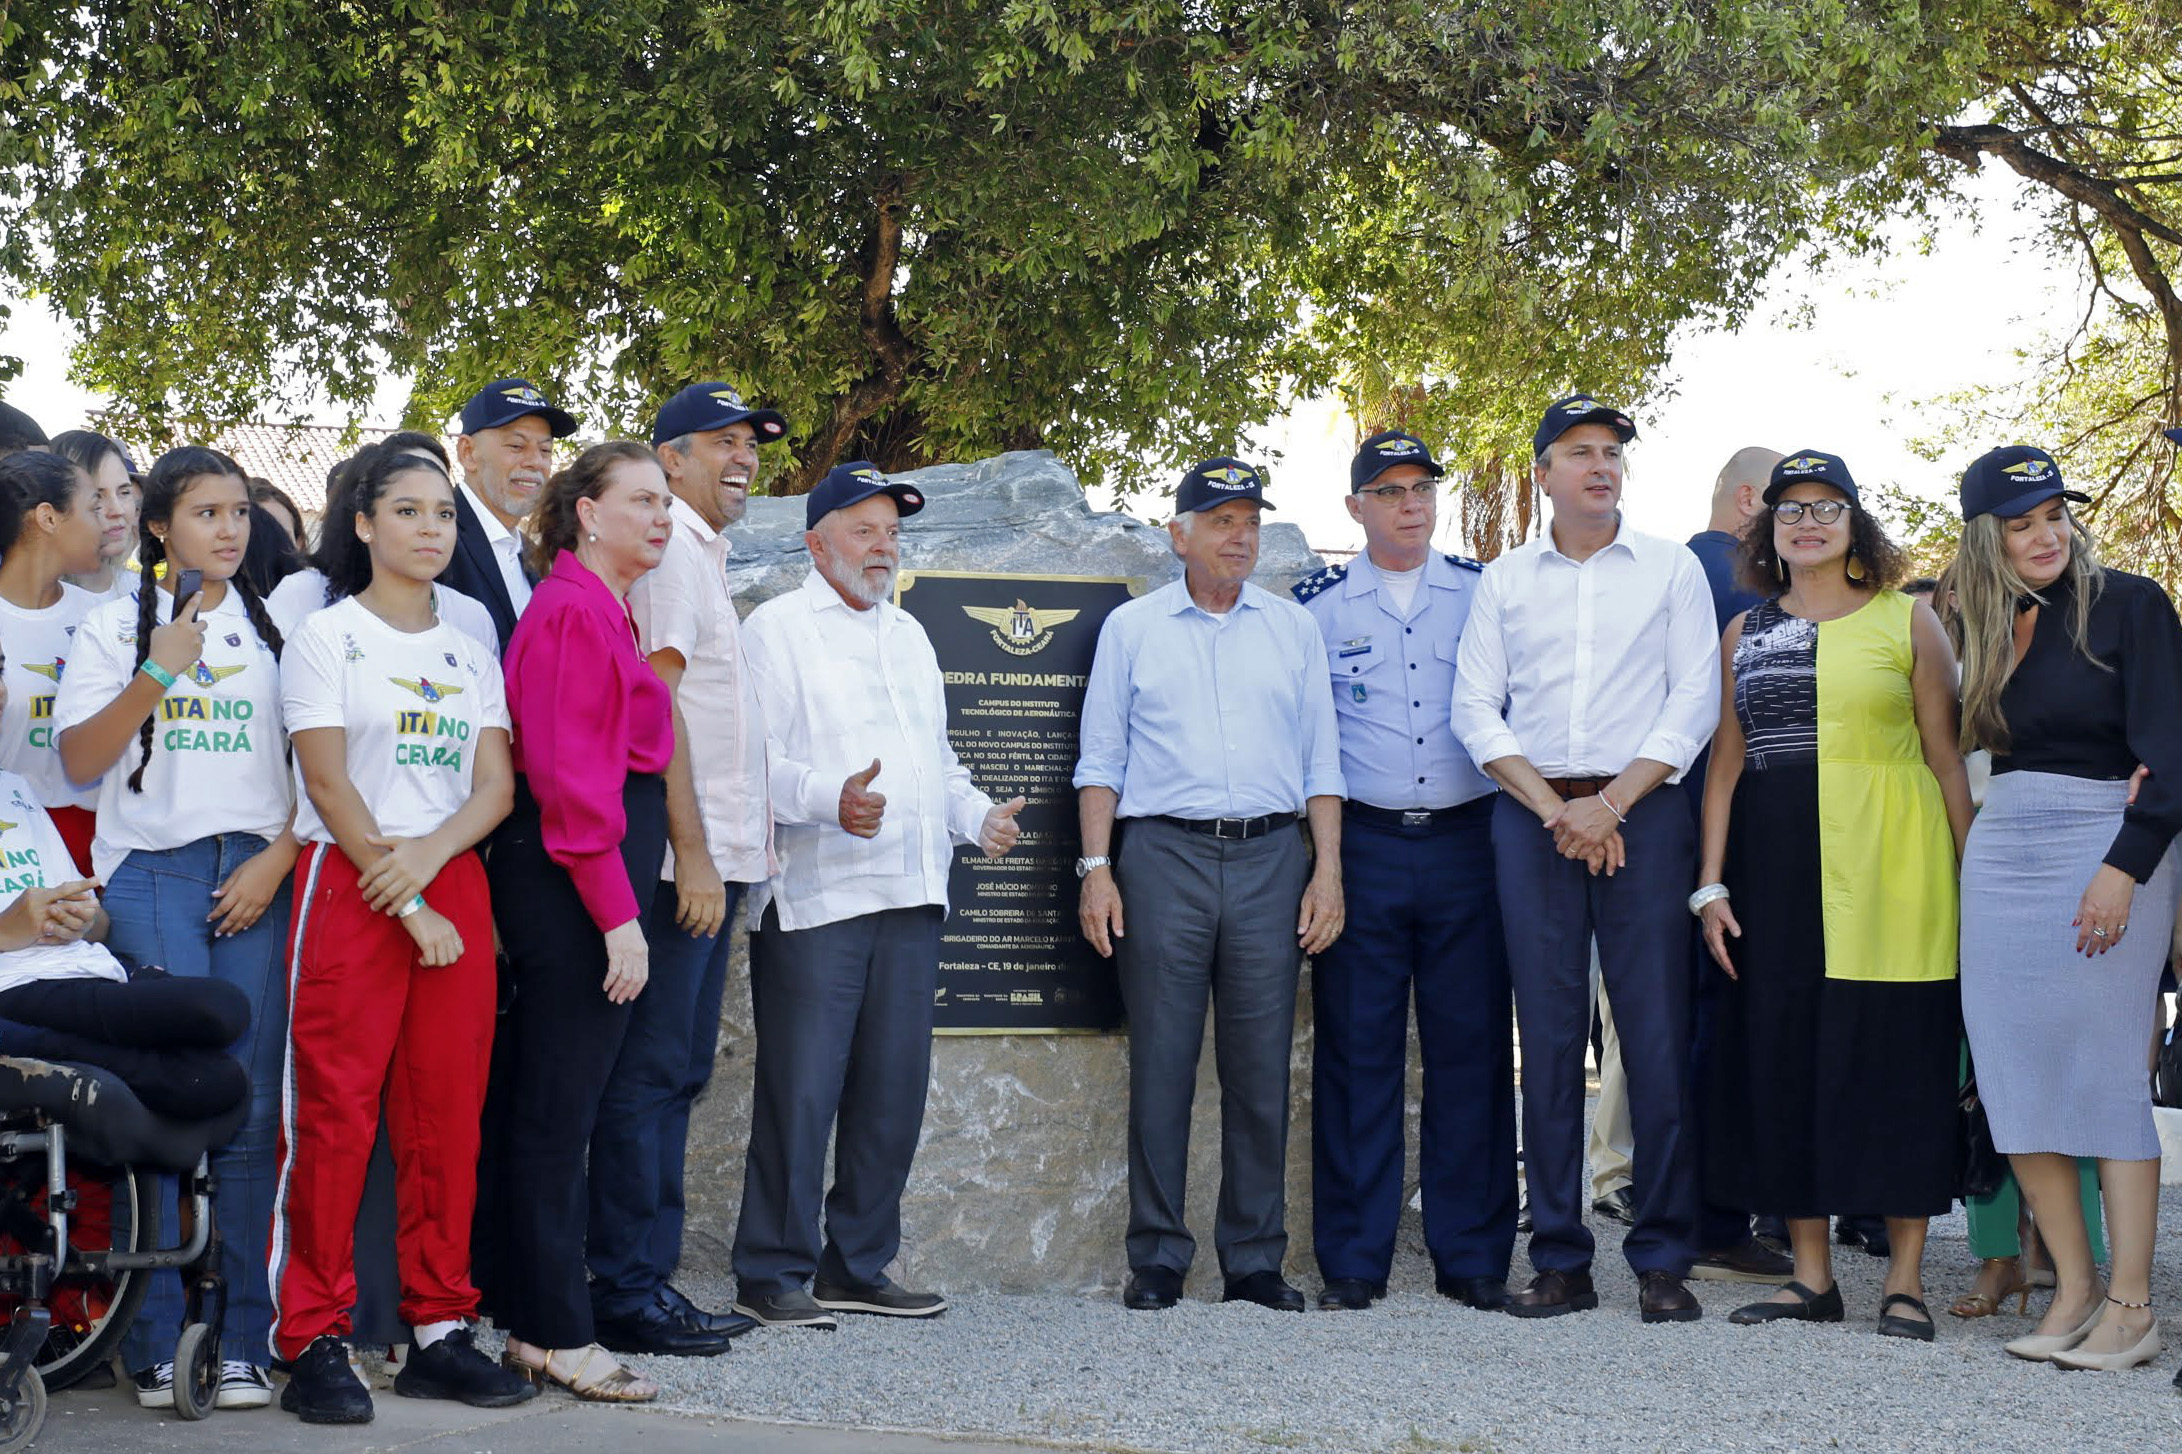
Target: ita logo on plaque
column 1016, row 653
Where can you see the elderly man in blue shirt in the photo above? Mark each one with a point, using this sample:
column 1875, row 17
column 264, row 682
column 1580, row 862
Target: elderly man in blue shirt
column 1208, row 732
column 1417, row 856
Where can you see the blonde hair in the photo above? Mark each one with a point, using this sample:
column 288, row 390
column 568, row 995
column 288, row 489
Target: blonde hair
column 1985, row 588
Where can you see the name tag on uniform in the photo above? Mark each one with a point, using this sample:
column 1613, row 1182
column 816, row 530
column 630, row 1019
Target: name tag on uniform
column 1358, row 647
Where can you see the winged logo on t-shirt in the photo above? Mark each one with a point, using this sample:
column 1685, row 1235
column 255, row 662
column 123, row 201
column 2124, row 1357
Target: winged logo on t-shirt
column 50, row 670
column 431, row 691
column 211, row 676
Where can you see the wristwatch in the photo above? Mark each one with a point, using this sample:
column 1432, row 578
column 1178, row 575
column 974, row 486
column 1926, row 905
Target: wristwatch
column 1085, row 865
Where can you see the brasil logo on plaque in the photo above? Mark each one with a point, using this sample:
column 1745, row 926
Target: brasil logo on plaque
column 1020, row 631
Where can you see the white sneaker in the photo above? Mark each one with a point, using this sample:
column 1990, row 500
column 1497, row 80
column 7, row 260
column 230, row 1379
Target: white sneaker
column 242, row 1386
column 155, row 1386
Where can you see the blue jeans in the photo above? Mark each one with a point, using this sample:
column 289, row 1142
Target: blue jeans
column 158, row 903
column 634, row 1239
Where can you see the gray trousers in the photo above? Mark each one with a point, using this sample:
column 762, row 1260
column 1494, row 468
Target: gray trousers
column 843, row 1014
column 1207, row 918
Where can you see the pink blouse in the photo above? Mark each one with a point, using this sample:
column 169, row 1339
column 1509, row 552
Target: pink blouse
column 588, row 711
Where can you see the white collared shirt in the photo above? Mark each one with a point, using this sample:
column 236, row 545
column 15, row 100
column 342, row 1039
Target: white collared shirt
column 685, row 605
column 839, row 688
column 507, row 549
column 1584, row 666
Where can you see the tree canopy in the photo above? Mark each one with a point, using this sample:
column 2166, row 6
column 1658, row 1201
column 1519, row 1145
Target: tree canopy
column 929, row 229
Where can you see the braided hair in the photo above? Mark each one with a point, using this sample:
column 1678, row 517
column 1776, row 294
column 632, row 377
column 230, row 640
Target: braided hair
column 171, row 476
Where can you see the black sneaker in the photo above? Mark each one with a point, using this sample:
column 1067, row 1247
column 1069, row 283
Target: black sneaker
column 882, row 1298
column 789, row 1308
column 323, row 1389
column 452, row 1368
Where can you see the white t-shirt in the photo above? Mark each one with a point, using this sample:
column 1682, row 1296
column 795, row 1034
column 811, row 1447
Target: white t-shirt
column 219, row 761
column 33, row 856
column 300, row 595
column 1401, row 587
column 684, row 604
column 413, row 707
column 39, row 645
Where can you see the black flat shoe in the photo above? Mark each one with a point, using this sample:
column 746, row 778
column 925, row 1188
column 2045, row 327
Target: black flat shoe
column 1486, row 1294
column 1893, row 1325
column 1350, row 1294
column 1814, row 1307
column 1152, row 1289
column 1267, row 1289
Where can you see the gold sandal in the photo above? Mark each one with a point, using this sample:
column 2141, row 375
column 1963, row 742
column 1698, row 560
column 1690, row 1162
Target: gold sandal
column 613, row 1384
column 1984, row 1305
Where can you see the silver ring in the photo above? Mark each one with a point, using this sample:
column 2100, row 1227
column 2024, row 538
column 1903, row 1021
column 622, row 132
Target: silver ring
column 2100, row 932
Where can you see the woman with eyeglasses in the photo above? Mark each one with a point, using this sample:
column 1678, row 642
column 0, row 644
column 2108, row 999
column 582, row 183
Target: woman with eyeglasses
column 2071, row 677
column 1835, row 810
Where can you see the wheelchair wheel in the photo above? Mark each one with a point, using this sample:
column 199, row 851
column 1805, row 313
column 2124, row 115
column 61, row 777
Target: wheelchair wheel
column 22, row 1417
column 115, row 1211
column 196, row 1371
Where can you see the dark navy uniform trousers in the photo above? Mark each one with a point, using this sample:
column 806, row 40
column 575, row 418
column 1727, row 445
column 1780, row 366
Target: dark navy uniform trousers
column 1423, row 920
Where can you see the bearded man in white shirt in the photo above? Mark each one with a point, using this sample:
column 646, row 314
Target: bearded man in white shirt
column 1587, row 681
column 869, row 802
column 506, row 453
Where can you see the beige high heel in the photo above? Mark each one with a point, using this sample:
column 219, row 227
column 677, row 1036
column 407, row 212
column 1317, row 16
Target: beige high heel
column 2040, row 1347
column 598, row 1375
column 2144, row 1351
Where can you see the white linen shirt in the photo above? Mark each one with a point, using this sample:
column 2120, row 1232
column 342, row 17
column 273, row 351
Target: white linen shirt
column 1584, row 666
column 507, row 549
column 684, row 604
column 840, row 687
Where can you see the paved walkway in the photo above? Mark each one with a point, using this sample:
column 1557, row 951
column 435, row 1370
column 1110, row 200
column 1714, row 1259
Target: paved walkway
column 109, row 1422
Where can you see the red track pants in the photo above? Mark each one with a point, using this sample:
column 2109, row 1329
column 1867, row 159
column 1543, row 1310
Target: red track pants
column 366, row 1019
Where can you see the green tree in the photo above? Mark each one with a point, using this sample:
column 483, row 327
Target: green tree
column 935, row 228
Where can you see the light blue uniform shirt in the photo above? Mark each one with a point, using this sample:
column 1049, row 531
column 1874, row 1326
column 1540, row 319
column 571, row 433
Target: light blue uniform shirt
column 1392, row 678
column 1189, row 716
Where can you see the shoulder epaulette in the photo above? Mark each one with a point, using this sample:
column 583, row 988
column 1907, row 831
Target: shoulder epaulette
column 1311, row 585
column 1463, row 561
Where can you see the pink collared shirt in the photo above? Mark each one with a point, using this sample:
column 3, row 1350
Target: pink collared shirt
column 588, row 710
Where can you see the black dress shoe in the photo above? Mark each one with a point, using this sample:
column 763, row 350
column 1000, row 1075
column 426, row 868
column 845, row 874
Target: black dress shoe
column 1350, row 1293
column 655, row 1330
column 1486, row 1294
column 1661, row 1298
column 1267, row 1289
column 1747, row 1261
column 1522, row 1216
column 1869, row 1233
column 1551, row 1294
column 682, row 1310
column 1618, row 1205
column 1812, row 1307
column 1152, row 1289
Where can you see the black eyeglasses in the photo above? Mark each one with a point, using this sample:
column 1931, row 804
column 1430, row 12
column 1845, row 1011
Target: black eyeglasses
column 1422, row 490
column 1825, row 512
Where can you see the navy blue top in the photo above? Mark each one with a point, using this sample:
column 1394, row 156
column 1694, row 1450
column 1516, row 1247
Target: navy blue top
column 1715, row 551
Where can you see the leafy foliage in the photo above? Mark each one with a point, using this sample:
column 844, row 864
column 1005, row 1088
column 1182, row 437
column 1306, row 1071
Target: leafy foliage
column 933, row 228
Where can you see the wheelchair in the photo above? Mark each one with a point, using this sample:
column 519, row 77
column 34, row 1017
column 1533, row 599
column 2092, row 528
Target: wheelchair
column 80, row 1163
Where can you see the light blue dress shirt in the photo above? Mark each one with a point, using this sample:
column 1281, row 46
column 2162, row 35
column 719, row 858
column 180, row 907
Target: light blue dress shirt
column 1392, row 678
column 1190, row 716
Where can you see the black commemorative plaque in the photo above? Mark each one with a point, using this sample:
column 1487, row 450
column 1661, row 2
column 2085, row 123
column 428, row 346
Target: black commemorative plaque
column 1016, row 653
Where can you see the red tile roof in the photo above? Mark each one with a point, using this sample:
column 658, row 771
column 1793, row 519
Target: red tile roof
column 295, row 457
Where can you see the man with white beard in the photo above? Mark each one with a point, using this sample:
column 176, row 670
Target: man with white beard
column 869, row 802
column 506, row 453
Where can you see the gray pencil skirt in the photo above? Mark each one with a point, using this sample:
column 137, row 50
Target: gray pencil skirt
column 2059, row 1040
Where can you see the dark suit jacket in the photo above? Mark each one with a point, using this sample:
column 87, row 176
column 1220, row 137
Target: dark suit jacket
column 475, row 571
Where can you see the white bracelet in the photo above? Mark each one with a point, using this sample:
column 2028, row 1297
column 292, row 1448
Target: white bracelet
column 1709, row 894
column 1619, row 816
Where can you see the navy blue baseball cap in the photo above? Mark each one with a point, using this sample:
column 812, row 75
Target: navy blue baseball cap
column 1386, row 449
column 2013, row 480
column 1217, row 481
column 1811, row 466
column 2173, row 434
column 503, row 401
column 702, row 407
column 859, row 479
column 1563, row 415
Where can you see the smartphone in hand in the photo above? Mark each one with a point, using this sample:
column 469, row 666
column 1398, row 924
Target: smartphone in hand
column 187, row 584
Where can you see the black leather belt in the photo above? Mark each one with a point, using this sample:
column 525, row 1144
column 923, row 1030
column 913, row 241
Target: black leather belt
column 1232, row 827
column 1417, row 817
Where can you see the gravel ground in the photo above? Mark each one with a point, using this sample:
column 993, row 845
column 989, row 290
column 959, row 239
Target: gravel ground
column 1418, row 1373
